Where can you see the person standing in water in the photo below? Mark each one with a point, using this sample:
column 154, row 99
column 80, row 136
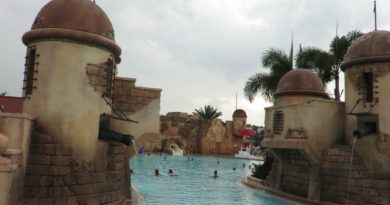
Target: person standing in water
column 156, row 172
column 215, row 174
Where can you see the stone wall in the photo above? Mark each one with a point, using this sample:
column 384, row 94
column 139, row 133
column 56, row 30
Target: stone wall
column 364, row 187
column 142, row 105
column 54, row 176
column 196, row 135
column 131, row 98
column 296, row 173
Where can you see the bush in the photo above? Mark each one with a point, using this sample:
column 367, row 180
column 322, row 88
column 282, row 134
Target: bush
column 261, row 171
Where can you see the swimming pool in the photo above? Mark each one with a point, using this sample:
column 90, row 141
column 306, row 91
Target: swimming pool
column 194, row 183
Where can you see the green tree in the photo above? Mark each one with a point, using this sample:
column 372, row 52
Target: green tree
column 208, row 112
column 327, row 63
column 266, row 83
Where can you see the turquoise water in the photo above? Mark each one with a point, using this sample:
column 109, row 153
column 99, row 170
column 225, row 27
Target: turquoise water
column 194, row 183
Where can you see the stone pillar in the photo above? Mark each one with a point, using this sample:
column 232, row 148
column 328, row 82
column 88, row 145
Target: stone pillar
column 279, row 169
column 314, row 184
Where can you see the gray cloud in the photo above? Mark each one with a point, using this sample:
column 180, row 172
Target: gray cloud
column 198, row 51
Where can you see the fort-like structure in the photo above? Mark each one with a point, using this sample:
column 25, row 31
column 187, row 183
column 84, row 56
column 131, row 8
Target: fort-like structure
column 70, row 144
column 312, row 136
column 67, row 139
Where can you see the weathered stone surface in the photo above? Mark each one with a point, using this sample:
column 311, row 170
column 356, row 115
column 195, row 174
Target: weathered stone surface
column 63, row 150
column 41, row 138
column 45, row 201
column 82, row 188
column 38, row 169
column 86, row 200
column 115, row 166
column 39, row 159
column 116, row 157
column 85, row 178
column 61, row 201
column 70, row 179
column 60, row 160
column 116, row 149
column 48, row 149
column 59, row 170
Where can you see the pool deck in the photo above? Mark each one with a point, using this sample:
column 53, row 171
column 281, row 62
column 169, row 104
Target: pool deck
column 258, row 184
column 136, row 197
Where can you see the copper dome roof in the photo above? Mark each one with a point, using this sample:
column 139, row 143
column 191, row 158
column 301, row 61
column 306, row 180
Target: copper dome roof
column 371, row 47
column 80, row 20
column 300, row 82
column 239, row 113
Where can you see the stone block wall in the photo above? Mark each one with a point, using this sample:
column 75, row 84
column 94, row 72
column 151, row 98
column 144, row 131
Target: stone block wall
column 296, row 173
column 97, row 76
column 54, row 176
column 131, row 98
column 364, row 187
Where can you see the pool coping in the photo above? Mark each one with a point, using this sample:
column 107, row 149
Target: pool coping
column 258, row 184
column 137, row 197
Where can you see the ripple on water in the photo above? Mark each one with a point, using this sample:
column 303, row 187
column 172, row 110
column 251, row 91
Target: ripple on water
column 193, row 183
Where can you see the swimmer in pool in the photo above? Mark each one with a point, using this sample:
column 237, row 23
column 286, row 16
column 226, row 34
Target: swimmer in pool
column 170, row 172
column 215, row 174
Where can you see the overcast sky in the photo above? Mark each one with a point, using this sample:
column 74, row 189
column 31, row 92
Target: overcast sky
column 199, row 51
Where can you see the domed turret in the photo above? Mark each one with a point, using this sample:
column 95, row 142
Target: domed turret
column 77, row 20
column 369, row 48
column 239, row 113
column 300, row 82
column 239, row 121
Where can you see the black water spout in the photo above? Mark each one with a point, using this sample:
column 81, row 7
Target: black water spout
column 106, row 134
column 363, row 131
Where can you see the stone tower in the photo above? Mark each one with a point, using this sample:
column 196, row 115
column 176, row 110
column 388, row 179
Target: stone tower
column 70, row 63
column 239, row 120
column 68, row 88
column 302, row 122
column 367, row 82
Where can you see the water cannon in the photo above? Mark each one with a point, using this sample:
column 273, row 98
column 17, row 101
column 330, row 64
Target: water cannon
column 106, row 134
column 368, row 128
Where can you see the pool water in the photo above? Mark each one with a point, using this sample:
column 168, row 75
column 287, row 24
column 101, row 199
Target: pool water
column 194, row 183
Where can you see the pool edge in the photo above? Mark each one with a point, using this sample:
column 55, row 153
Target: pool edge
column 257, row 185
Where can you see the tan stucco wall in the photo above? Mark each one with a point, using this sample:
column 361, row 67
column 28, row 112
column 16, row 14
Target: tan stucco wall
column 5, row 186
column 64, row 105
column 148, row 121
column 17, row 127
column 352, row 95
column 366, row 148
column 315, row 125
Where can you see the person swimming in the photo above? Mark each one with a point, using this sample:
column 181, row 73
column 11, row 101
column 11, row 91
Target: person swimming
column 170, row 172
column 156, row 172
column 215, row 173
column 234, row 169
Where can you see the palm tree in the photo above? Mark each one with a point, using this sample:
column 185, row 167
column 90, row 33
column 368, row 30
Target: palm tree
column 266, row 83
column 208, row 112
column 327, row 64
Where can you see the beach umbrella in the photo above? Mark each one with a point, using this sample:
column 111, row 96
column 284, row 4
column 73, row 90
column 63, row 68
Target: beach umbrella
column 247, row 132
